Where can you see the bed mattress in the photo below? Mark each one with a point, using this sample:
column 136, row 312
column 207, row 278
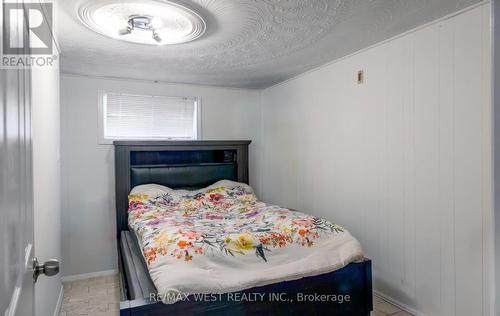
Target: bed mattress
column 223, row 239
column 353, row 280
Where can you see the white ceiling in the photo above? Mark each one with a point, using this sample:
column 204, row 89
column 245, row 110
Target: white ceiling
column 248, row 43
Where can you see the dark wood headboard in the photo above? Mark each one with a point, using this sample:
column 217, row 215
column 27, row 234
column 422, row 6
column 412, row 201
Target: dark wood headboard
column 176, row 164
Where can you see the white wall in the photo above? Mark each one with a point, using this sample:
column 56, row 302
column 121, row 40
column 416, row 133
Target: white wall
column 88, row 220
column 47, row 178
column 46, row 183
column 496, row 131
column 403, row 160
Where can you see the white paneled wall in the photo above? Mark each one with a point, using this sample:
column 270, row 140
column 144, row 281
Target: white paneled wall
column 402, row 160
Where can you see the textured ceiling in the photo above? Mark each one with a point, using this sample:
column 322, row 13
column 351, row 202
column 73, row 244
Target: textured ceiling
column 248, row 43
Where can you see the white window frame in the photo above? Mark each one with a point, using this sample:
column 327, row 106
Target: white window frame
column 108, row 141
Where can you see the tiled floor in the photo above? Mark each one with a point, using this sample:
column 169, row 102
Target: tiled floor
column 92, row 297
column 383, row 308
column 100, row 297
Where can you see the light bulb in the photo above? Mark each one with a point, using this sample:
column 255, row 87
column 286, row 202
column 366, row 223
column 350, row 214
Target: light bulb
column 157, row 37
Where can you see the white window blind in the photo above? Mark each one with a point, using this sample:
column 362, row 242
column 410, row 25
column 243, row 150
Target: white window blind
column 127, row 116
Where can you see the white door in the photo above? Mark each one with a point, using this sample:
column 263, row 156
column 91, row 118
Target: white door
column 16, row 210
column 17, row 265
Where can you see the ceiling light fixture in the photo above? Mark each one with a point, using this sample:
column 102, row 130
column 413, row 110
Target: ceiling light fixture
column 145, row 22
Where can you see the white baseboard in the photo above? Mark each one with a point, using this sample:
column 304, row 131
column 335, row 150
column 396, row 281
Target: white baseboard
column 57, row 310
column 398, row 304
column 76, row 277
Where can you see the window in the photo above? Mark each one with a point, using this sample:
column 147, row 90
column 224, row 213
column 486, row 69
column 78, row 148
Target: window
column 147, row 117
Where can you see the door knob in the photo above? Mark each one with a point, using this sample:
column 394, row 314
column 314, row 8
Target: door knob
column 49, row 268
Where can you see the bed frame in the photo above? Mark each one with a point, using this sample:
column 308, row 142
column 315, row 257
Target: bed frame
column 197, row 164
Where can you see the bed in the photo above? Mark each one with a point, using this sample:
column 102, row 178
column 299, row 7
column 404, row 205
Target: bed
column 191, row 166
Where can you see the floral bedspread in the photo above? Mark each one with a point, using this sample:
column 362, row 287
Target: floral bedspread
column 222, row 238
